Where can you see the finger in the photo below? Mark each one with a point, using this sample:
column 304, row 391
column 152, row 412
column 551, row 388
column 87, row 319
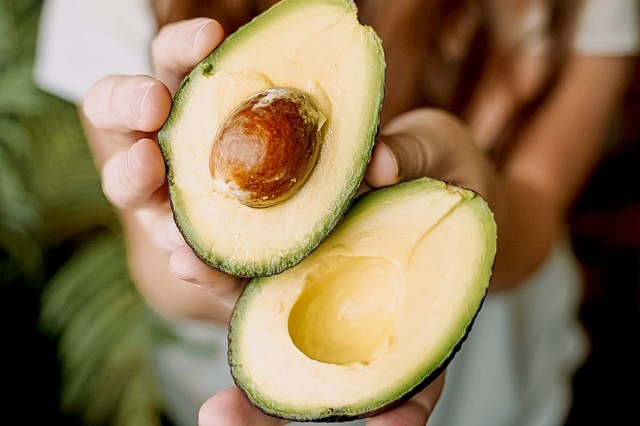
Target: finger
column 411, row 413
column 423, row 142
column 432, row 143
column 160, row 225
column 383, row 167
column 414, row 412
column 133, row 178
column 231, row 408
column 185, row 265
column 427, row 142
column 127, row 104
column 179, row 46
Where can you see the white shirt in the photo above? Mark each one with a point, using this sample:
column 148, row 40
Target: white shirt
column 609, row 27
column 81, row 41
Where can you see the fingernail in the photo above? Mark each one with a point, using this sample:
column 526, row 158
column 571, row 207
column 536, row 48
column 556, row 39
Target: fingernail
column 139, row 99
column 199, row 26
column 391, row 157
column 127, row 166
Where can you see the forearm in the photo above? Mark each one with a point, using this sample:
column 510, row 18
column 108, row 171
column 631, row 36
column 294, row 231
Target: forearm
column 553, row 158
column 528, row 228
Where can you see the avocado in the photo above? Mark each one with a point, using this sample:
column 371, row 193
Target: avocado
column 268, row 138
column 374, row 314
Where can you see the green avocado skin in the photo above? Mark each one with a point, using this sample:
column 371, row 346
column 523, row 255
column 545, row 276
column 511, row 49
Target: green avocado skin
column 389, row 399
column 213, row 253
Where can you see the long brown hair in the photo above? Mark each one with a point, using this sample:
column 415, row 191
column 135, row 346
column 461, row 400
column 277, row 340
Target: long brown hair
column 439, row 52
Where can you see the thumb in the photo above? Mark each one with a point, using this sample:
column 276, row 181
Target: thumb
column 429, row 142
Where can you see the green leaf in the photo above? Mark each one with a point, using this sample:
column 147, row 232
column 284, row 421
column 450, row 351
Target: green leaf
column 104, row 331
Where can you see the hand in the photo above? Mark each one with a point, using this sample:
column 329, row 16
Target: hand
column 122, row 115
column 433, row 143
column 231, row 408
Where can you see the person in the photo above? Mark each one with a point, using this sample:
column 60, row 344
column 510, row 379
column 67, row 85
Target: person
column 510, row 99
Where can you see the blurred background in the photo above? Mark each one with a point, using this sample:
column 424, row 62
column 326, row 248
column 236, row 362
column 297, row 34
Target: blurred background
column 76, row 334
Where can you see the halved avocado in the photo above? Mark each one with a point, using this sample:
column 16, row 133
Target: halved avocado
column 374, row 314
column 318, row 48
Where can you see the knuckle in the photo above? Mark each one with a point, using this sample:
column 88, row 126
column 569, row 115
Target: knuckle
column 94, row 100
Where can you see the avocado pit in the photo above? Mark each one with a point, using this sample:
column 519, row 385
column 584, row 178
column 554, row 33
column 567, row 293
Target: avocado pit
column 267, row 147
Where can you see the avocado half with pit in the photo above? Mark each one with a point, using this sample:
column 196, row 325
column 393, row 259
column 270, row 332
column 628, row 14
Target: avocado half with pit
column 268, row 137
column 374, row 314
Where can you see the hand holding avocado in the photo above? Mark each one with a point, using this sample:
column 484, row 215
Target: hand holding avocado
column 330, row 309
column 123, row 114
column 352, row 308
column 430, row 142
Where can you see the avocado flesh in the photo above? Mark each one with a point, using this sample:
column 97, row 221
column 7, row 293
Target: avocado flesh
column 318, row 47
column 374, row 313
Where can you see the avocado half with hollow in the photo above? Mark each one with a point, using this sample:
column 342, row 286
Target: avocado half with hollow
column 374, row 314
column 268, row 137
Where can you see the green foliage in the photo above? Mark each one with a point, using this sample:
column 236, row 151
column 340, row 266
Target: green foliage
column 20, row 222
column 60, row 238
column 103, row 331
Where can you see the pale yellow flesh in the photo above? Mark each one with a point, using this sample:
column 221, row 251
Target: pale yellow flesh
column 369, row 308
column 323, row 66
